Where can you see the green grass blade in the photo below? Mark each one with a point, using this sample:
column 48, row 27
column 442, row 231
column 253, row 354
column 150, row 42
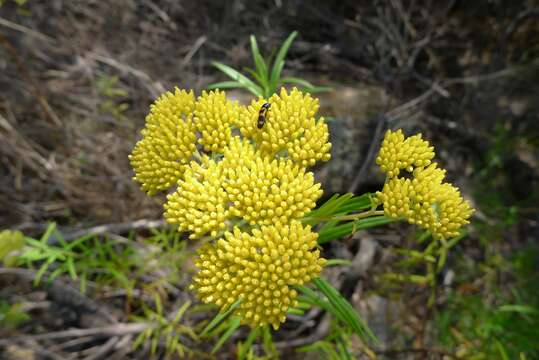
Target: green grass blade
column 48, row 232
column 234, row 325
column 278, row 64
column 239, row 77
column 220, row 318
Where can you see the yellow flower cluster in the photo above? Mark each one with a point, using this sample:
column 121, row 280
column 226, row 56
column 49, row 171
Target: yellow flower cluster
column 269, row 191
column 199, row 205
column 246, row 192
column 168, row 141
column 258, row 269
column 424, row 199
column 398, row 153
column 290, row 126
column 214, row 116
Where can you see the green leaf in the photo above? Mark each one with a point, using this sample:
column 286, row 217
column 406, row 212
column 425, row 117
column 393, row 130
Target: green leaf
column 259, row 79
column 306, row 86
column 181, row 311
column 71, row 268
column 336, row 262
column 338, row 205
column 501, row 350
column 522, row 309
column 296, row 80
column 261, row 67
column 220, row 318
column 344, row 311
column 239, row 77
column 278, row 64
column 234, row 325
column 247, row 345
column 48, row 232
column 338, row 231
column 226, row 85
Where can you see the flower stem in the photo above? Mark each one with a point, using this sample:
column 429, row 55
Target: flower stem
column 362, row 215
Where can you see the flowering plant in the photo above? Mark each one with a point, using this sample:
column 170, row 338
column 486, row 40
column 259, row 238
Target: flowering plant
column 238, row 180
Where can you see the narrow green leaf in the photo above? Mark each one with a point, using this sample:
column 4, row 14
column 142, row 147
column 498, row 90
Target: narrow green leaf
column 181, row 311
column 267, row 341
column 306, row 86
column 257, row 78
column 261, row 67
column 279, row 60
column 523, row 309
column 318, row 89
column 219, row 318
column 296, row 80
column 48, row 232
column 71, row 268
column 295, row 311
column 239, row 77
column 234, row 325
column 248, row 343
column 338, row 231
column 343, row 308
column 501, row 350
column 226, row 85
column 336, row 262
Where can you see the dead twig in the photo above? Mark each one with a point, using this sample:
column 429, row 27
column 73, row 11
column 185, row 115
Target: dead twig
column 47, row 110
column 60, row 291
column 26, row 31
column 373, row 150
column 103, row 331
column 103, row 349
column 155, row 88
column 117, row 228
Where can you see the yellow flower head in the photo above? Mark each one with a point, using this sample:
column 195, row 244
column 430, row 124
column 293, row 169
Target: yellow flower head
column 266, row 191
column 199, row 205
column 168, row 141
column 238, row 153
column 398, row 153
column 258, row 269
column 290, row 126
column 427, row 202
column 214, row 116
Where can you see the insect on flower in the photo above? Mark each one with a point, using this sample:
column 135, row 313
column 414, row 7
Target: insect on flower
column 262, row 115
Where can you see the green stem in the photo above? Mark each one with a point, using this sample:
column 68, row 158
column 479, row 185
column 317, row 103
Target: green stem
column 346, row 217
column 359, row 216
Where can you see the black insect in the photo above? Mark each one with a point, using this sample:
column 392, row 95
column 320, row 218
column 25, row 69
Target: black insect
column 262, row 115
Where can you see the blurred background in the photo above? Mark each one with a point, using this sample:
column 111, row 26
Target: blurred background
column 76, row 81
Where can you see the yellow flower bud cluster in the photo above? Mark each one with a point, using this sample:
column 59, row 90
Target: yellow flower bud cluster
column 424, row 199
column 398, row 153
column 214, row 116
column 269, row 191
column 168, row 141
column 290, row 126
column 246, row 192
column 258, row 269
column 200, row 204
